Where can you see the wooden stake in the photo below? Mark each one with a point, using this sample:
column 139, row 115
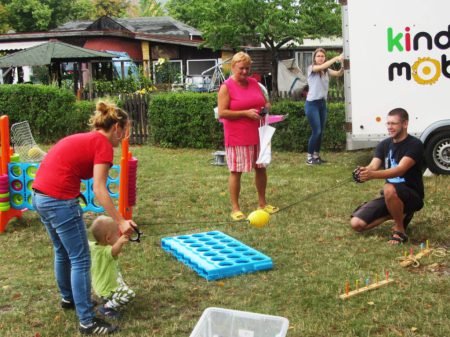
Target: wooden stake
column 364, row 289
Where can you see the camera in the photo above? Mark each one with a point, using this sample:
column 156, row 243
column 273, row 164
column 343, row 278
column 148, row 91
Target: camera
column 264, row 111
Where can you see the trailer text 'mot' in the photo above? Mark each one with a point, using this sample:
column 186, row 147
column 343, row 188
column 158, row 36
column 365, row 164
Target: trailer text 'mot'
column 425, row 70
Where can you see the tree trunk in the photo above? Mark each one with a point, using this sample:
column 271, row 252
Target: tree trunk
column 274, row 63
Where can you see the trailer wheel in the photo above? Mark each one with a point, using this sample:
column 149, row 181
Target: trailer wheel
column 437, row 153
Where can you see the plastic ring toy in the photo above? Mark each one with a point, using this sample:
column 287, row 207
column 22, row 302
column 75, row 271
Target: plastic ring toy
column 31, row 171
column 17, row 185
column 16, row 170
column 5, row 208
column 15, row 158
column 83, row 187
column 17, row 199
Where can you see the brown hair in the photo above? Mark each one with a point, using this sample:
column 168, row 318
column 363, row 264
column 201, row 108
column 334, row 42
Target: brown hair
column 402, row 113
column 318, row 50
column 106, row 115
column 241, row 57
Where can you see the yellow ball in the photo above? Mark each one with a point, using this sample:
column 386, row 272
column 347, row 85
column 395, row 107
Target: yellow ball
column 34, row 152
column 258, row 218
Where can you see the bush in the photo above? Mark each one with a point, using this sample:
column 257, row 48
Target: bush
column 83, row 110
column 293, row 133
column 184, row 120
column 51, row 112
column 133, row 83
column 187, row 120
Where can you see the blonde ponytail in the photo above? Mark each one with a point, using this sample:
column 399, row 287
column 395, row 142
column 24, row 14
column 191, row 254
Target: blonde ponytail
column 106, row 115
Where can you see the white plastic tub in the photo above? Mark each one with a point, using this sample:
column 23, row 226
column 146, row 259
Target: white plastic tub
column 218, row 322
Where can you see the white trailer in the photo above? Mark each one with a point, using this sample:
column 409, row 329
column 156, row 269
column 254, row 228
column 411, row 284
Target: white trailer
column 397, row 54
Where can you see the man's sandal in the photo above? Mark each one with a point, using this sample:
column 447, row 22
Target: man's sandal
column 270, row 209
column 402, row 237
column 237, row 216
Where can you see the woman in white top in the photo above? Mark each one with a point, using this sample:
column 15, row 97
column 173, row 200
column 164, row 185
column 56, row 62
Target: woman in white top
column 315, row 105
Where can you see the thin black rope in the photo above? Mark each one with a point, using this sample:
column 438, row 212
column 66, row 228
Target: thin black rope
column 312, row 195
column 218, row 222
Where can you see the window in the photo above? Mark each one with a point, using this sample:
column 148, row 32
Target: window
column 304, row 60
column 196, row 67
column 171, row 71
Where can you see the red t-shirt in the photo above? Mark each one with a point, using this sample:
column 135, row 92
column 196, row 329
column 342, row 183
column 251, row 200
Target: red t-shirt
column 70, row 160
column 243, row 131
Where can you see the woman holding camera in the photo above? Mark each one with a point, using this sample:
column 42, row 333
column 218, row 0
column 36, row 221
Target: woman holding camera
column 240, row 102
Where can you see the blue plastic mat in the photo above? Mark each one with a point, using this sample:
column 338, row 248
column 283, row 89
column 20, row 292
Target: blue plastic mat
column 215, row 255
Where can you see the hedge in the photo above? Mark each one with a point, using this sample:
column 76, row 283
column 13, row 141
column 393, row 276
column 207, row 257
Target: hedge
column 184, row 120
column 293, row 133
column 51, row 112
column 175, row 119
column 187, row 120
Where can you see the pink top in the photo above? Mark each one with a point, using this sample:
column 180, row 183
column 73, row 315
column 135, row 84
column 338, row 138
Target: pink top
column 243, row 131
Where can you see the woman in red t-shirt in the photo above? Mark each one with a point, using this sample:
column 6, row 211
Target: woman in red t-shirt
column 55, row 197
column 240, row 101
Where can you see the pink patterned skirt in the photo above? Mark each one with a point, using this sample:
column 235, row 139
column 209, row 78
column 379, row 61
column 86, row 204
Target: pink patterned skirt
column 242, row 158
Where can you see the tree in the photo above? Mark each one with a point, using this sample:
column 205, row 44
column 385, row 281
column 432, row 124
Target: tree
column 83, row 10
column 68, row 10
column 28, row 15
column 274, row 23
column 150, row 8
column 113, row 8
column 3, row 19
column 41, row 15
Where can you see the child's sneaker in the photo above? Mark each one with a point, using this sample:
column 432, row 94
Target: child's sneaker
column 98, row 327
column 109, row 312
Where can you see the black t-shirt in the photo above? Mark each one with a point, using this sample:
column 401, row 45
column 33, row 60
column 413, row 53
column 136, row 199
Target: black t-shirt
column 391, row 153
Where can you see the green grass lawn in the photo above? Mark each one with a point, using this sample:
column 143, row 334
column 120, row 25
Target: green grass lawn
column 313, row 249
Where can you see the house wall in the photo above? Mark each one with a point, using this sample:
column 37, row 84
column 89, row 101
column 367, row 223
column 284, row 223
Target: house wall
column 132, row 47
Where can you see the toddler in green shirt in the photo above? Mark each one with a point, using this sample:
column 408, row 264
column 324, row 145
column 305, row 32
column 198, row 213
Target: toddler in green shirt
column 107, row 281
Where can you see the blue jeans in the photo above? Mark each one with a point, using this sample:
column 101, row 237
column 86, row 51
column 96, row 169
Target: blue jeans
column 64, row 222
column 316, row 112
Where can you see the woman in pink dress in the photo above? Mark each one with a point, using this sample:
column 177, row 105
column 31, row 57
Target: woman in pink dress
column 240, row 102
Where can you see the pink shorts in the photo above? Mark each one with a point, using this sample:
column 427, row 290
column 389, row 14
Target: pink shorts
column 242, row 158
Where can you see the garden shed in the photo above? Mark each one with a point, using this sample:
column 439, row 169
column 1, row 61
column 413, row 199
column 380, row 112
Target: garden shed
column 52, row 54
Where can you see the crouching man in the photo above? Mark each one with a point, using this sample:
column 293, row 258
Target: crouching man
column 398, row 160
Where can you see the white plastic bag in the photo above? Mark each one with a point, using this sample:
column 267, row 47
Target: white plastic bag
column 266, row 133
